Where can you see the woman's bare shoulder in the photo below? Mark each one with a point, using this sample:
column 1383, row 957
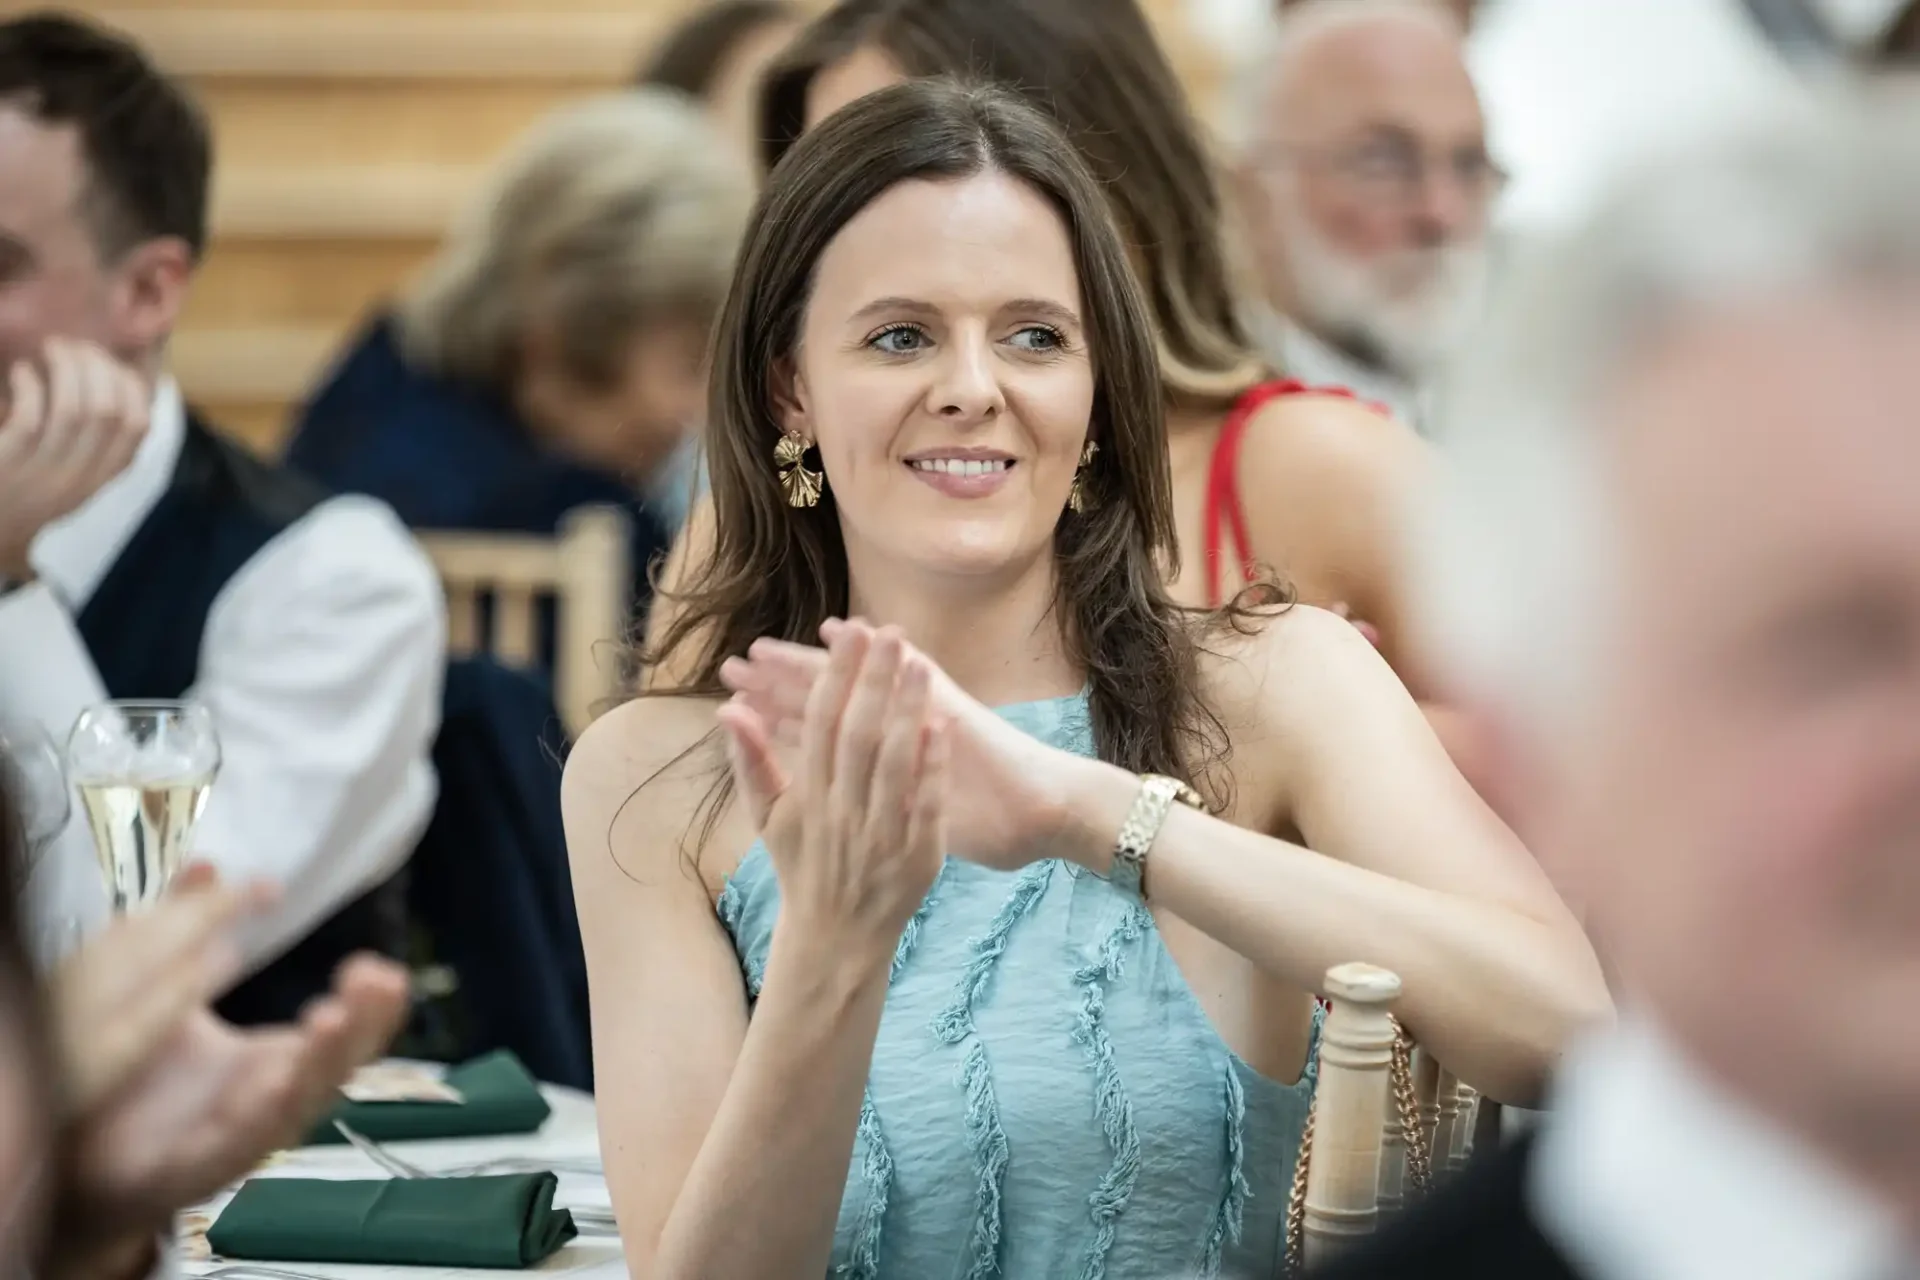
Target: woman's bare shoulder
column 1303, row 444
column 1288, row 685
column 1317, row 421
column 1274, row 664
column 636, row 781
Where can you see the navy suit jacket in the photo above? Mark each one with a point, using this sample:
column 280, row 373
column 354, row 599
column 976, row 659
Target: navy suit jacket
column 447, row 456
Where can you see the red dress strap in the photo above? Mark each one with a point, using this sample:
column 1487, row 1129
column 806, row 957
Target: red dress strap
column 1223, row 486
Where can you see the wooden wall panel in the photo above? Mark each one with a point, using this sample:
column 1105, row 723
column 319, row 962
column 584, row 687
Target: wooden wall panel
column 523, row 43
column 299, row 283
column 261, row 427
column 252, row 365
column 302, row 122
column 665, row 10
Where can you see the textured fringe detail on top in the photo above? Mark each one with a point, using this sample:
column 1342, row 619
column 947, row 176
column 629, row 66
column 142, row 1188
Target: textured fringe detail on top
column 1111, row 1105
column 1310, row 1074
column 1230, row 1216
column 876, row 1167
column 954, row 1025
column 731, row 908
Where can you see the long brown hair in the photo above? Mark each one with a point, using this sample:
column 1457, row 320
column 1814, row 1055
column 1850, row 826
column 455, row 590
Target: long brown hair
column 780, row 571
column 1095, row 68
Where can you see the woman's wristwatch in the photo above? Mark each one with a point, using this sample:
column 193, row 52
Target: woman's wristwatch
column 1142, row 827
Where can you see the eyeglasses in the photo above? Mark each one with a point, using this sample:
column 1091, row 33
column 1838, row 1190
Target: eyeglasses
column 1395, row 171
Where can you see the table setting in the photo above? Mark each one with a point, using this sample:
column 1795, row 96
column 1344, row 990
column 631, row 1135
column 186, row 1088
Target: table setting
column 419, row 1170
column 500, row 1174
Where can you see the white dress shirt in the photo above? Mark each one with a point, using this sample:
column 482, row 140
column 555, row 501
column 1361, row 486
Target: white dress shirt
column 321, row 664
column 1646, row 1171
column 1297, row 353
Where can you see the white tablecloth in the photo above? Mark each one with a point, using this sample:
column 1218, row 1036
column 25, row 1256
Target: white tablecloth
column 569, row 1134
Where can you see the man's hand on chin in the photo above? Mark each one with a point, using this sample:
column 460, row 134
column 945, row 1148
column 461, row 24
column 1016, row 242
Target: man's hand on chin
column 71, row 420
column 212, row 1103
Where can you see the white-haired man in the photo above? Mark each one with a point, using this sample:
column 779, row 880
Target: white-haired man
column 1364, row 184
column 1678, row 573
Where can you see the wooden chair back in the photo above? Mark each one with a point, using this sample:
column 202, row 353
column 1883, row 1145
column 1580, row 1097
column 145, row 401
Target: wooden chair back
column 1346, row 1137
column 584, row 570
column 1387, row 1121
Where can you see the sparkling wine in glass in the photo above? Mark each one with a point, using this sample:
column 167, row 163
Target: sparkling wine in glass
column 143, row 770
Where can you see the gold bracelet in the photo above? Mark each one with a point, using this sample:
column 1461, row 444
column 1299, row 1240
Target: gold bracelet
column 1142, row 827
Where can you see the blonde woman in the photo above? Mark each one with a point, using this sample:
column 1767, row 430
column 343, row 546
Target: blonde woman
column 553, row 353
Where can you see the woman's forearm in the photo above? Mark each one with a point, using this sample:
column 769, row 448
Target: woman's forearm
column 762, row 1197
column 1495, row 994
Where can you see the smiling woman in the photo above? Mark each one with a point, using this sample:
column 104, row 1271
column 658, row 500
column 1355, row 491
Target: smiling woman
column 1331, row 473
column 951, row 386
column 890, row 358
column 898, row 987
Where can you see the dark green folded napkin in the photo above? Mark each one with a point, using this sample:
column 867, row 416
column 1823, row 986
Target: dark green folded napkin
column 425, row 1222
column 501, row 1098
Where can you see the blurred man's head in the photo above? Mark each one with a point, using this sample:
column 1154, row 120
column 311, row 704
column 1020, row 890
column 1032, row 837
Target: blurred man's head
column 1679, row 568
column 1364, row 178
column 104, row 168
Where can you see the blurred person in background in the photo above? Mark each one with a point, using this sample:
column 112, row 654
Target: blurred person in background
column 718, row 56
column 144, row 556
column 1330, row 474
column 1677, row 569
column 554, row 353
column 123, row 1099
column 1363, row 185
column 1550, row 74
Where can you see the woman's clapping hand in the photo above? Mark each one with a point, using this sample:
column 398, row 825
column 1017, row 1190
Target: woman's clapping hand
column 1008, row 787
column 849, row 792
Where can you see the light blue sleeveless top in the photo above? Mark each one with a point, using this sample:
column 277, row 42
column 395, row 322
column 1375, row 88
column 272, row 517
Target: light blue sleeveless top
column 1047, row 1097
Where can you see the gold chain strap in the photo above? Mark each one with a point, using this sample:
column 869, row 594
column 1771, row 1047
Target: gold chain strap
column 1419, row 1160
column 1297, row 1199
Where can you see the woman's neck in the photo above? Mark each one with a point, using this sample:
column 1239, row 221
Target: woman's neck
column 998, row 638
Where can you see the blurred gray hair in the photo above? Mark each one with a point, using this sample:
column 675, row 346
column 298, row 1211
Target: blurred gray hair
column 611, row 214
column 1513, row 545
column 1257, row 63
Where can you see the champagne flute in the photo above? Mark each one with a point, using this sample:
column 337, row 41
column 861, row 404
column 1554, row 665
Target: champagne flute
column 144, row 770
column 36, row 782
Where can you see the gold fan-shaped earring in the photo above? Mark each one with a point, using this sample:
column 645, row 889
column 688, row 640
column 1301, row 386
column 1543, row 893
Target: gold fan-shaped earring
column 801, row 483
column 1077, row 493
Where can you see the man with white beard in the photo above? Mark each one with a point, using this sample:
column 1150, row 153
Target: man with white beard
column 1671, row 574
column 1364, row 185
